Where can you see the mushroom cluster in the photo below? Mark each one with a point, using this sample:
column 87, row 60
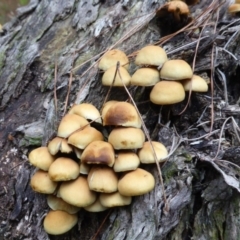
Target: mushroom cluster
column 81, row 168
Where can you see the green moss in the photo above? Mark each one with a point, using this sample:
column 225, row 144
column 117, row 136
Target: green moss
column 2, row 59
column 170, row 169
column 27, row 141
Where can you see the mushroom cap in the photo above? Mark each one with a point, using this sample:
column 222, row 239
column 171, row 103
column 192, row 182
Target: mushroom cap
column 126, row 138
column 78, row 152
column 114, row 199
column 77, row 192
column 41, row 158
column 176, row 69
column 151, row 55
column 106, row 106
column 56, row 203
column 178, row 6
column 135, row 183
column 145, row 77
column 108, row 76
column 122, row 114
column 84, row 168
column 59, row 144
column 63, row 169
column 102, row 179
column 83, row 137
column 167, row 92
column 110, row 58
column 234, row 8
column 71, row 123
column 146, row 154
column 41, row 182
column 126, row 161
column 87, row 111
column 59, row 222
column 98, row 152
column 96, row 207
column 196, row 84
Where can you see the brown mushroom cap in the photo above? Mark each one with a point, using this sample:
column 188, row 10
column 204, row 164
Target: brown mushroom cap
column 87, row 111
column 126, row 161
column 63, row 169
column 126, row 138
column 233, row 8
column 108, row 76
column 41, row 158
column 176, row 69
column 56, row 203
column 102, row 179
column 106, row 106
column 96, row 207
column 77, row 192
column 122, row 114
column 59, row 144
column 98, row 152
column 145, row 77
column 59, row 222
column 83, row 137
column 178, row 6
column 196, row 84
column 151, row 55
column 114, row 200
column 146, row 154
column 167, row 92
column 41, row 182
column 110, row 58
column 71, row 123
column 137, row 182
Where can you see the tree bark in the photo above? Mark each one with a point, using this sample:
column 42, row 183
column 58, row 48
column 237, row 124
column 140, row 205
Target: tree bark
column 69, row 37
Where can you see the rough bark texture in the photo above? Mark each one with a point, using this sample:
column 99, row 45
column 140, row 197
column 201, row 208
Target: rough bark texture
column 202, row 193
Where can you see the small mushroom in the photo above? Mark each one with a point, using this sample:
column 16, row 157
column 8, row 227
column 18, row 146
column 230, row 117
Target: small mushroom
column 234, row 8
column 83, row 137
column 176, row 69
column 167, row 92
column 98, row 152
column 59, row 144
column 135, row 183
column 63, row 169
column 41, row 158
column 126, row 161
column 102, row 179
column 114, row 199
column 146, row 154
column 196, row 84
column 110, row 58
column 71, row 123
column 77, row 192
column 96, row 207
column 151, row 55
column 41, row 182
column 145, row 77
column 122, row 114
column 108, row 77
column 126, row 138
column 87, row 111
column 56, row 203
column 59, row 222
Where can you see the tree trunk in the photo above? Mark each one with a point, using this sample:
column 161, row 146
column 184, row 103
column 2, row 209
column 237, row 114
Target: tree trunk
column 69, row 37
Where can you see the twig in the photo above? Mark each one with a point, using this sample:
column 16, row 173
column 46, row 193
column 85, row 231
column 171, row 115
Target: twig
column 55, row 86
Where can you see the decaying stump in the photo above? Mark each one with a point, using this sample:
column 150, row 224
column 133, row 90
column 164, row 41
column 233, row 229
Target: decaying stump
column 68, row 37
